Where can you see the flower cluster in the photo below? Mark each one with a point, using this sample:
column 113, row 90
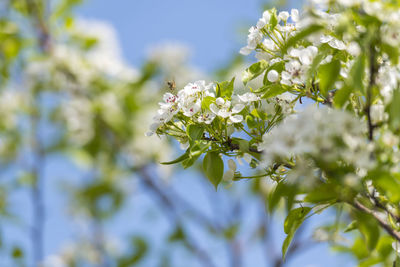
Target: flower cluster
column 326, row 135
column 260, row 38
column 197, row 101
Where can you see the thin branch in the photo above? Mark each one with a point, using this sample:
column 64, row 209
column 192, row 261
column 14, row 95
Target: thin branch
column 372, row 74
column 378, row 217
column 37, row 189
column 172, row 212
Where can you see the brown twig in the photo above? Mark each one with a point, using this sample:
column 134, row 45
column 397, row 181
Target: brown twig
column 378, row 217
column 172, row 212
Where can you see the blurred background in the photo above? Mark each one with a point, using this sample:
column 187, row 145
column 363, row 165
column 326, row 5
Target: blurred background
column 81, row 184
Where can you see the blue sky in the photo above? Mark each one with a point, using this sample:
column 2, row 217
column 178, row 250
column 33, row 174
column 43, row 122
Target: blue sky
column 210, row 27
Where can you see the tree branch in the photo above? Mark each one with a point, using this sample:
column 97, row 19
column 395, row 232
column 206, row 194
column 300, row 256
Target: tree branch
column 171, row 210
column 378, row 217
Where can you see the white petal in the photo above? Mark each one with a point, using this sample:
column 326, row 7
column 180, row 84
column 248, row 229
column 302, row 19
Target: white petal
column 237, row 108
column 232, row 165
column 220, row 101
column 228, row 175
column 214, row 108
column 236, row 118
column 284, row 15
column 224, row 113
column 294, row 13
column 245, row 51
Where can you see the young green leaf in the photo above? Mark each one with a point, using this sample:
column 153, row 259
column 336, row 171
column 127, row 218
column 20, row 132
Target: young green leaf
column 214, row 168
column 225, row 89
column 177, row 160
column 195, row 132
column 353, row 83
column 274, row 90
column 301, row 36
column 254, row 71
column 292, row 222
column 328, row 74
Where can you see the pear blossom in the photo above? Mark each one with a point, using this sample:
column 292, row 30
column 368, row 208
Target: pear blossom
column 283, row 15
column 248, row 98
column 254, row 38
column 207, row 117
column 224, row 109
column 308, row 134
column 264, row 20
column 294, row 73
column 294, row 14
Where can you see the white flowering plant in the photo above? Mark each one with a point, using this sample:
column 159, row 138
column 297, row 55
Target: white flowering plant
column 323, row 126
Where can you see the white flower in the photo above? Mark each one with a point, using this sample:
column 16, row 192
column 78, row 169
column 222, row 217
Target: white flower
column 337, row 44
column 247, row 157
column 295, row 73
column 378, row 113
column 254, row 37
column 248, row 97
column 314, row 132
column 294, row 13
column 245, row 51
column 391, row 35
column 307, row 55
column 223, row 109
column 206, row 117
column 264, row 20
column 270, row 45
column 273, row 76
column 284, row 15
column 353, row 49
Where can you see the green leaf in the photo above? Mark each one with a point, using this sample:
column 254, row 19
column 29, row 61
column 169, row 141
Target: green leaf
column 225, row 89
column 394, row 110
column 251, row 123
column 301, row 36
column 369, row 229
column 195, row 152
column 328, row 74
column 179, row 159
column 273, row 90
column 273, row 20
column 207, row 101
column 177, row 235
column 214, row 168
column 243, row 144
column 352, row 226
column 353, row 83
column 342, row 96
column 254, row 71
column 195, row 132
column 292, row 222
column 17, row 253
column 393, row 53
column 323, row 193
column 136, row 255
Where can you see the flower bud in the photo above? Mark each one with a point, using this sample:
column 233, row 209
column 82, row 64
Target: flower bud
column 273, row 76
